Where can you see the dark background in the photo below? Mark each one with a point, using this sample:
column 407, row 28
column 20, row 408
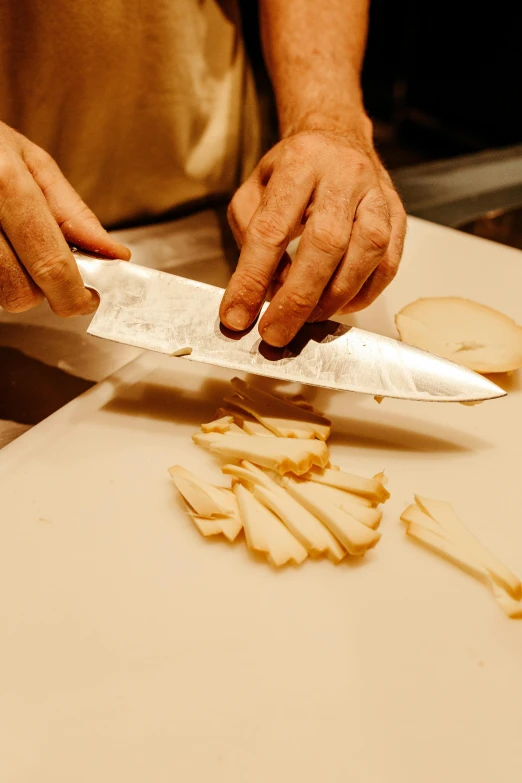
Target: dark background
column 440, row 79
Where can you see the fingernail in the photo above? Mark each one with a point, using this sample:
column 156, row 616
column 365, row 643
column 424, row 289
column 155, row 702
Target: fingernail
column 237, row 317
column 275, row 335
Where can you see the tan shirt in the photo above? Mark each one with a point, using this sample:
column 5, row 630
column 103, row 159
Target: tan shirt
column 145, row 104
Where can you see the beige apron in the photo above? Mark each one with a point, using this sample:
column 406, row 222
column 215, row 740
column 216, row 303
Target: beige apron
column 144, row 104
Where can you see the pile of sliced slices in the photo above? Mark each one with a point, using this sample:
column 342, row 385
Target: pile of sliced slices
column 285, row 494
column 293, row 503
column 435, row 524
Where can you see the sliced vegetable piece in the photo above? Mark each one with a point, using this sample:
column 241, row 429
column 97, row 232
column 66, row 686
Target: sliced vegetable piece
column 353, row 535
column 204, row 498
column 417, row 516
column 312, row 534
column 372, row 489
column 207, row 527
column 281, row 416
column 285, row 428
column 282, row 456
column 266, row 533
column 454, row 553
column 256, row 428
column 463, row 331
column 371, row 517
column 235, row 430
column 445, row 515
column 218, row 425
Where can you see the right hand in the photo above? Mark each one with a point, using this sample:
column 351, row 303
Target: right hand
column 40, row 213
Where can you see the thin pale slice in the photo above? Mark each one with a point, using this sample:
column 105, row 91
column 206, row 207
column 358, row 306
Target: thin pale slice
column 461, row 558
column 232, row 524
column 445, row 515
column 206, row 438
column 353, row 535
column 266, row 533
column 256, row 428
column 463, row 331
column 371, row 517
column 372, row 489
column 284, row 428
column 417, row 516
column 281, row 416
column 207, row 527
column 235, row 430
column 218, row 425
column 206, row 499
column 451, row 552
column 312, row 534
column 280, row 455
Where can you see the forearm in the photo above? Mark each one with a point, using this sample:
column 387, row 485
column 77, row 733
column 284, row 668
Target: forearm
column 314, row 52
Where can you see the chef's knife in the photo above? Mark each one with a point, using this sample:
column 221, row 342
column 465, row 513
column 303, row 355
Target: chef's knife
column 161, row 312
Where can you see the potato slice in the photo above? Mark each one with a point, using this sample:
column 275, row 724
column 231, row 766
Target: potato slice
column 461, row 557
column 266, row 533
column 445, row 515
column 449, row 551
column 463, row 331
column 353, row 535
column 218, row 425
column 281, row 416
column 206, row 500
column 372, row 489
column 312, row 534
column 371, row 517
column 256, row 428
column 235, row 430
column 207, row 527
column 282, row 456
column 230, row 527
column 417, row 516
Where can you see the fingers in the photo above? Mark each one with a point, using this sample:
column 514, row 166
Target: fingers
column 78, row 224
column 389, row 265
column 38, row 242
column 323, row 245
column 264, row 241
column 242, row 207
column 369, row 242
column 18, row 293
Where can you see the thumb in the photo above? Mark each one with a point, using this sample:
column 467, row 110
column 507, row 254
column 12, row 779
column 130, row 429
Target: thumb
column 78, row 223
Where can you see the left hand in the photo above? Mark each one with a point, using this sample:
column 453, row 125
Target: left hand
column 331, row 186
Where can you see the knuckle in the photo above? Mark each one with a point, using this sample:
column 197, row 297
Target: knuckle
column 377, row 237
column 329, row 236
column 270, row 229
column 298, row 303
column 51, row 268
column 388, row 269
column 339, row 293
column 251, row 282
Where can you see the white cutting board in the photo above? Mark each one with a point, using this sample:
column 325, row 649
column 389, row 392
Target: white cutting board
column 133, row 650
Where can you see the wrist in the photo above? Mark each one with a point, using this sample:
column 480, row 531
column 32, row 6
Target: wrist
column 345, row 120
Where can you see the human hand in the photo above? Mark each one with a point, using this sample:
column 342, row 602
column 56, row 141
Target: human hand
column 331, row 186
column 40, row 213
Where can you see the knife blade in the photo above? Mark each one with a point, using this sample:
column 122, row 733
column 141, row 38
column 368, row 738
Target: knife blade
column 158, row 311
